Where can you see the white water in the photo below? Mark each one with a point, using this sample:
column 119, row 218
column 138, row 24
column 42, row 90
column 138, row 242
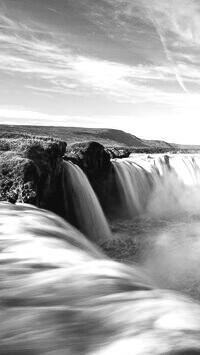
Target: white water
column 162, row 196
column 60, row 295
column 88, row 212
column 159, row 186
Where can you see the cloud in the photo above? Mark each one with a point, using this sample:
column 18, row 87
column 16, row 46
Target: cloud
column 24, row 115
column 6, row 22
column 182, row 17
column 63, row 71
column 176, row 23
column 179, row 16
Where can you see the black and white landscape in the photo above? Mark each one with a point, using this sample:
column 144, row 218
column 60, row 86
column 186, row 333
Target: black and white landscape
column 99, row 177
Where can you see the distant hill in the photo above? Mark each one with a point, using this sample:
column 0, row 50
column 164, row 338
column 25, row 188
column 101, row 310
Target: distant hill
column 106, row 137
column 186, row 146
column 158, row 144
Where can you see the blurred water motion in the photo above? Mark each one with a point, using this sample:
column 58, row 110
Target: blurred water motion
column 84, row 204
column 60, row 295
column 159, row 186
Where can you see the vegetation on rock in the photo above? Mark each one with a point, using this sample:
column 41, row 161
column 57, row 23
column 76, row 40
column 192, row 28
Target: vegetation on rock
column 29, row 169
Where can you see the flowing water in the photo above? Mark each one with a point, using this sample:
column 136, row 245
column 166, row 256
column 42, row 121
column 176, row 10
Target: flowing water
column 161, row 195
column 159, row 186
column 60, row 295
column 89, row 216
column 159, row 227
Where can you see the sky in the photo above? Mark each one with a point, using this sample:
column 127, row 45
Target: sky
column 126, row 64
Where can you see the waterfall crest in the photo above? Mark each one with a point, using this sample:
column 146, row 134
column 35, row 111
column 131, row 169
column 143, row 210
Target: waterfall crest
column 159, row 185
column 84, row 205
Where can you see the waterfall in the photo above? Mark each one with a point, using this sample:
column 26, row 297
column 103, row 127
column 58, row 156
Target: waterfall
column 134, row 185
column 84, row 205
column 159, row 185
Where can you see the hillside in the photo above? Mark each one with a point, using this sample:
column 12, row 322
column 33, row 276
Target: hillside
column 107, row 137
column 187, row 146
column 158, row 144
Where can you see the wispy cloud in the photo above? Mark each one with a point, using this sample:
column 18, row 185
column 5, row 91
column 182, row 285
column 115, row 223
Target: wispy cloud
column 6, row 22
column 62, row 71
column 66, row 72
column 24, row 115
column 54, row 10
column 181, row 17
column 176, row 22
column 16, row 22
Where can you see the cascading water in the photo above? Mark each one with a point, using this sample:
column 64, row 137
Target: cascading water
column 162, row 196
column 158, row 186
column 134, row 184
column 87, row 211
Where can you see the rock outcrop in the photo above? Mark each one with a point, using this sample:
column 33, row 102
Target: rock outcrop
column 92, row 158
column 30, row 171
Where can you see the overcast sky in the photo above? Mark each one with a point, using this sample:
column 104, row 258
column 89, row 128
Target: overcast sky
column 132, row 65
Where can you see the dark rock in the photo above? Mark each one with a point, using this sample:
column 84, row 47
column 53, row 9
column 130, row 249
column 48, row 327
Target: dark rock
column 30, row 172
column 118, row 152
column 91, row 157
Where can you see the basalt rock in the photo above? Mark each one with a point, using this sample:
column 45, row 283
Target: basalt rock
column 30, row 172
